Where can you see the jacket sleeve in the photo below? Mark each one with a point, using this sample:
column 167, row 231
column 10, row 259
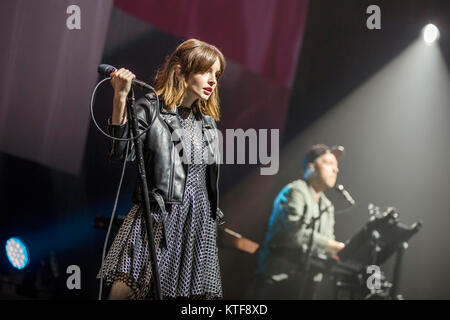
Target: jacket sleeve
column 298, row 216
column 214, row 158
column 117, row 148
column 329, row 231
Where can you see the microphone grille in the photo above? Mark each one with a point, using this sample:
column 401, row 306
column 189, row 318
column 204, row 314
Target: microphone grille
column 105, row 69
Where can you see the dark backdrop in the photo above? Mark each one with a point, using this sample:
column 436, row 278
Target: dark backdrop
column 382, row 94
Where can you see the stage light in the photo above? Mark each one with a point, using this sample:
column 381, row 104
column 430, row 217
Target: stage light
column 17, row 253
column 430, row 33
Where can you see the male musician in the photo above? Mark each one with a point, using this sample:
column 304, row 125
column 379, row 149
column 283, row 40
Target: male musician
column 291, row 223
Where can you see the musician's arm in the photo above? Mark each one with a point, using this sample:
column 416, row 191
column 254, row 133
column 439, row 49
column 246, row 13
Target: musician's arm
column 329, row 230
column 333, row 246
column 299, row 218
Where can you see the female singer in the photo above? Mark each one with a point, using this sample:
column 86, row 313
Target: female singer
column 183, row 186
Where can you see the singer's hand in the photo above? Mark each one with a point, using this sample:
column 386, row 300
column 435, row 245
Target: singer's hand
column 121, row 81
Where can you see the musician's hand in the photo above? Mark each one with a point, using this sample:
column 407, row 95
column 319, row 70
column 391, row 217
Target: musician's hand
column 333, row 247
column 121, row 81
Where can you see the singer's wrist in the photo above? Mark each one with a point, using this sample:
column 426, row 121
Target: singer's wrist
column 119, row 115
column 121, row 95
column 118, row 121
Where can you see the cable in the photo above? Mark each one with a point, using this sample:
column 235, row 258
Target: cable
column 343, row 211
column 121, row 177
column 95, row 122
column 111, row 222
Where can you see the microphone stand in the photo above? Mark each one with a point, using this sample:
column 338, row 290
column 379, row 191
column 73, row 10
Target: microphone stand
column 147, row 215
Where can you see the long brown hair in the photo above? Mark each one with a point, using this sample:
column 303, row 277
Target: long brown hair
column 193, row 56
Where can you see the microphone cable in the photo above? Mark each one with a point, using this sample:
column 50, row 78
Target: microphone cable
column 98, row 127
column 125, row 160
column 111, row 222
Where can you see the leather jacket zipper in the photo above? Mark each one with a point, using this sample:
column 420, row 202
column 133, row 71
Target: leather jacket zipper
column 172, row 174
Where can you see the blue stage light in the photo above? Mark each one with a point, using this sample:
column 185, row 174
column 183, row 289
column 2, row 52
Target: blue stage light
column 17, row 253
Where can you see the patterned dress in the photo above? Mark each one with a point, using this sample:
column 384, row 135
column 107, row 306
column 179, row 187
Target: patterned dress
column 189, row 265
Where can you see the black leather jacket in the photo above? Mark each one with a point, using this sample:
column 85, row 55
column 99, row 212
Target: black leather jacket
column 166, row 172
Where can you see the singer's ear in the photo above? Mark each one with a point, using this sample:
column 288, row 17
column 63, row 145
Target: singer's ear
column 312, row 168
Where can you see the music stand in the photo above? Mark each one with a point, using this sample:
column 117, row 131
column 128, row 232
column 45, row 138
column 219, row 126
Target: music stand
column 377, row 241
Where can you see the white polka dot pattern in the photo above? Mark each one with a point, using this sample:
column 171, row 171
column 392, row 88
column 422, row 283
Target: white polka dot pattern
column 189, row 266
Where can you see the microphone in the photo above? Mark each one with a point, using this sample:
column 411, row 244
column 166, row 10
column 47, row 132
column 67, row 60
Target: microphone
column 106, row 70
column 346, row 194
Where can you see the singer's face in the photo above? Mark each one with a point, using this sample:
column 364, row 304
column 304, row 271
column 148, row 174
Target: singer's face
column 327, row 169
column 202, row 85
